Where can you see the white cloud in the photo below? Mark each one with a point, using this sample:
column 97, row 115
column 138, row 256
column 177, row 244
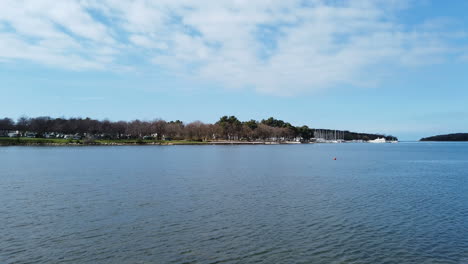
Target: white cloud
column 276, row 47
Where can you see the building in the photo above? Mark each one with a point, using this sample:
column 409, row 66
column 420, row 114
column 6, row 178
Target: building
column 14, row 134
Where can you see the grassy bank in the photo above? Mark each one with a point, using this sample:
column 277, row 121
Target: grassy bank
column 6, row 141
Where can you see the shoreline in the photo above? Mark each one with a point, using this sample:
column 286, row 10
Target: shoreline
column 59, row 142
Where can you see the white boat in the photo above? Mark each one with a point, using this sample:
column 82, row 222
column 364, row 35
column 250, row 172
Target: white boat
column 378, row 140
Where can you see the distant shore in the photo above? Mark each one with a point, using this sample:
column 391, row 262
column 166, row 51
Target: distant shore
column 448, row 137
column 5, row 141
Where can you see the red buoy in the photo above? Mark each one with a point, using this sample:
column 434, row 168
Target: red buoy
column 334, row 158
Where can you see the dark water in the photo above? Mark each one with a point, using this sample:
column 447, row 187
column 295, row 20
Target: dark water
column 377, row 203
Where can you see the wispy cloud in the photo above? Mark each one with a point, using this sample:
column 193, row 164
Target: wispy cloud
column 272, row 46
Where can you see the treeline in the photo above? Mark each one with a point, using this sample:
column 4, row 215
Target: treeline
column 364, row 136
column 226, row 128
column 448, row 137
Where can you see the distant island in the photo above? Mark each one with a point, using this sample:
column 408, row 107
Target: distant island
column 447, row 137
column 227, row 130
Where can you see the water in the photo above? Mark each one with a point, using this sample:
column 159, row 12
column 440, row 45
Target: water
column 377, row 203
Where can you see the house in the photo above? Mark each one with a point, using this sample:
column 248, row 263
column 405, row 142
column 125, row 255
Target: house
column 14, row 134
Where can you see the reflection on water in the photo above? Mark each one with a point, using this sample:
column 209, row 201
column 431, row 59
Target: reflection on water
column 377, row 203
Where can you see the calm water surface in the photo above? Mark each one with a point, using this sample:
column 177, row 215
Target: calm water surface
column 377, row 203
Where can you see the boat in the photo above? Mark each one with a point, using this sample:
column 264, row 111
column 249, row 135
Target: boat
column 378, row 140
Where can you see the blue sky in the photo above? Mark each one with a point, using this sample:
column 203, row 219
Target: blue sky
column 394, row 67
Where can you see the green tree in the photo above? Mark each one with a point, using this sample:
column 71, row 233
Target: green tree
column 252, row 124
column 230, row 127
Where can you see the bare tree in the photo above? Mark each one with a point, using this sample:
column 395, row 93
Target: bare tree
column 228, row 127
column 159, row 127
column 7, row 124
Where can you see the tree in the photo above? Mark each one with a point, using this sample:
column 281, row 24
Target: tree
column 305, row 132
column 174, row 129
column 275, row 122
column 252, row 124
column 159, row 127
column 7, row 124
column 227, row 127
column 263, row 132
column 195, row 130
column 230, row 126
column 23, row 124
column 40, row 125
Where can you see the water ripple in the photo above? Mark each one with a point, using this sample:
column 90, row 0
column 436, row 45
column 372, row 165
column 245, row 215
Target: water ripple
column 242, row 204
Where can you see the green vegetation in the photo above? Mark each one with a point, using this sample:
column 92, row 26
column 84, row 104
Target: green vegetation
column 48, row 130
column 6, row 141
column 146, row 142
column 448, row 137
column 32, row 141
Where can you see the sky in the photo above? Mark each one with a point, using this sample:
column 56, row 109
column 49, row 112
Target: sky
column 377, row 66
